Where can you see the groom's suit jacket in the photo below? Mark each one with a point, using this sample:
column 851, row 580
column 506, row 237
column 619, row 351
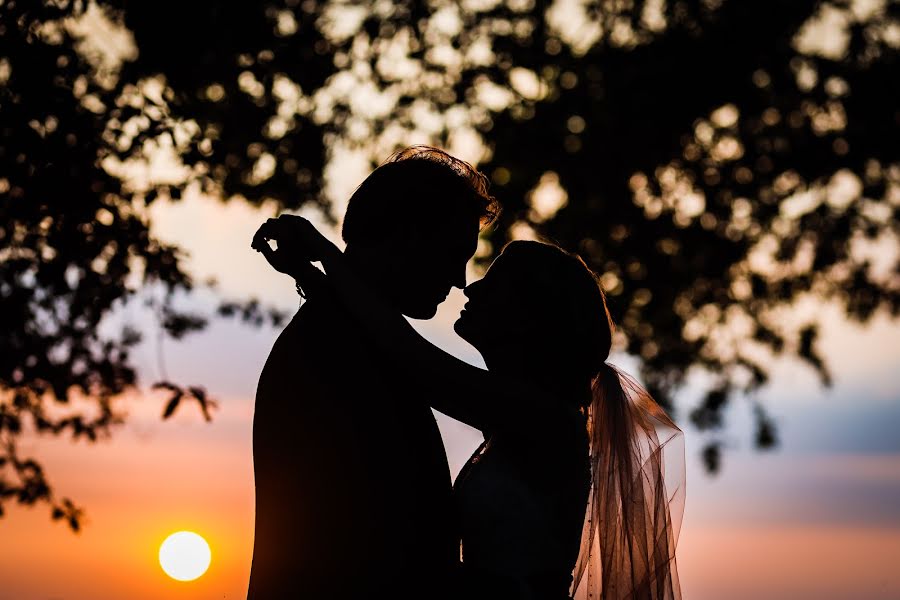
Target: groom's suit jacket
column 352, row 483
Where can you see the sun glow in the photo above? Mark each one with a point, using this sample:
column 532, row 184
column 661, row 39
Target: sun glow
column 184, row 556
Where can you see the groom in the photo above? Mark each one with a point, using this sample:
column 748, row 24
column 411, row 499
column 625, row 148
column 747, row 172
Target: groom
column 352, row 483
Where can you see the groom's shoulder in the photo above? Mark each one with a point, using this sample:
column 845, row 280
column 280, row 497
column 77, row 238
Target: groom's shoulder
column 321, row 320
column 313, row 345
column 316, row 312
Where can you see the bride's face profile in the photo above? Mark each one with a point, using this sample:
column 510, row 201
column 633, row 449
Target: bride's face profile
column 502, row 315
column 537, row 309
column 485, row 319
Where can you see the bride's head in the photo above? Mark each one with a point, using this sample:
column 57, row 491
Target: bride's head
column 539, row 312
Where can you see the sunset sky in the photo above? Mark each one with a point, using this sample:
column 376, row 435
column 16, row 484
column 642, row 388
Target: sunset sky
column 817, row 518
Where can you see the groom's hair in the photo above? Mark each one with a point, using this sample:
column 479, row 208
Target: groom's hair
column 418, row 187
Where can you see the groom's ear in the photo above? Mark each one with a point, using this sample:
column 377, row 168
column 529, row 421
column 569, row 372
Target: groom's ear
column 412, row 241
column 382, row 247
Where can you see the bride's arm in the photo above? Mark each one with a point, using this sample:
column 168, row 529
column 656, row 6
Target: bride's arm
column 455, row 388
column 464, row 392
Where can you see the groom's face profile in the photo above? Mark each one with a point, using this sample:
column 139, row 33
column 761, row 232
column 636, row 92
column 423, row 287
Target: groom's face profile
column 430, row 264
column 413, row 225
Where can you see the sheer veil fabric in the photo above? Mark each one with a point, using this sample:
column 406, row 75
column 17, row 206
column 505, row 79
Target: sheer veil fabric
column 637, row 496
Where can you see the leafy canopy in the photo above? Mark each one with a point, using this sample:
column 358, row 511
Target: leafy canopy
column 714, row 160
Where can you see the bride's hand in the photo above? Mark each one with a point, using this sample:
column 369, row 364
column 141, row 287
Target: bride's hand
column 299, row 243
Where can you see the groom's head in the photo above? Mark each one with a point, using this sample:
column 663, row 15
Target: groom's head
column 413, row 224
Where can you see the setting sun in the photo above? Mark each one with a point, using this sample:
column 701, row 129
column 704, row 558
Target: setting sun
column 184, row 556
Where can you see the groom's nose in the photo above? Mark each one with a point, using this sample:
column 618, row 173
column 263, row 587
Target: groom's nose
column 459, row 279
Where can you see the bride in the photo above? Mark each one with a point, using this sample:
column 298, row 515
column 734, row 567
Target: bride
column 578, row 488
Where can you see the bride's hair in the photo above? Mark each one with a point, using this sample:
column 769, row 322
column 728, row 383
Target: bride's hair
column 636, row 452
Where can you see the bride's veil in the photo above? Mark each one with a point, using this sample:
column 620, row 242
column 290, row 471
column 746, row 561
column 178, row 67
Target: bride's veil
column 636, row 500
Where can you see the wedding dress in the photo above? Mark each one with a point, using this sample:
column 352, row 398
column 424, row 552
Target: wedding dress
column 520, row 502
column 548, row 515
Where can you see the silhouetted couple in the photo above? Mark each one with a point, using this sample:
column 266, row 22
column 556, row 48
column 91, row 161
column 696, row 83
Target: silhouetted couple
column 353, row 491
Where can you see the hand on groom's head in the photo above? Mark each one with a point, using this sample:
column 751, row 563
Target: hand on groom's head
column 298, row 243
column 285, row 256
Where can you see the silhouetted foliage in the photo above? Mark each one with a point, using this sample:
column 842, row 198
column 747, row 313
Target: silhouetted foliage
column 706, row 160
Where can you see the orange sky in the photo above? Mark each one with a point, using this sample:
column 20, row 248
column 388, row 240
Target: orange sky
column 155, row 478
column 137, row 489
